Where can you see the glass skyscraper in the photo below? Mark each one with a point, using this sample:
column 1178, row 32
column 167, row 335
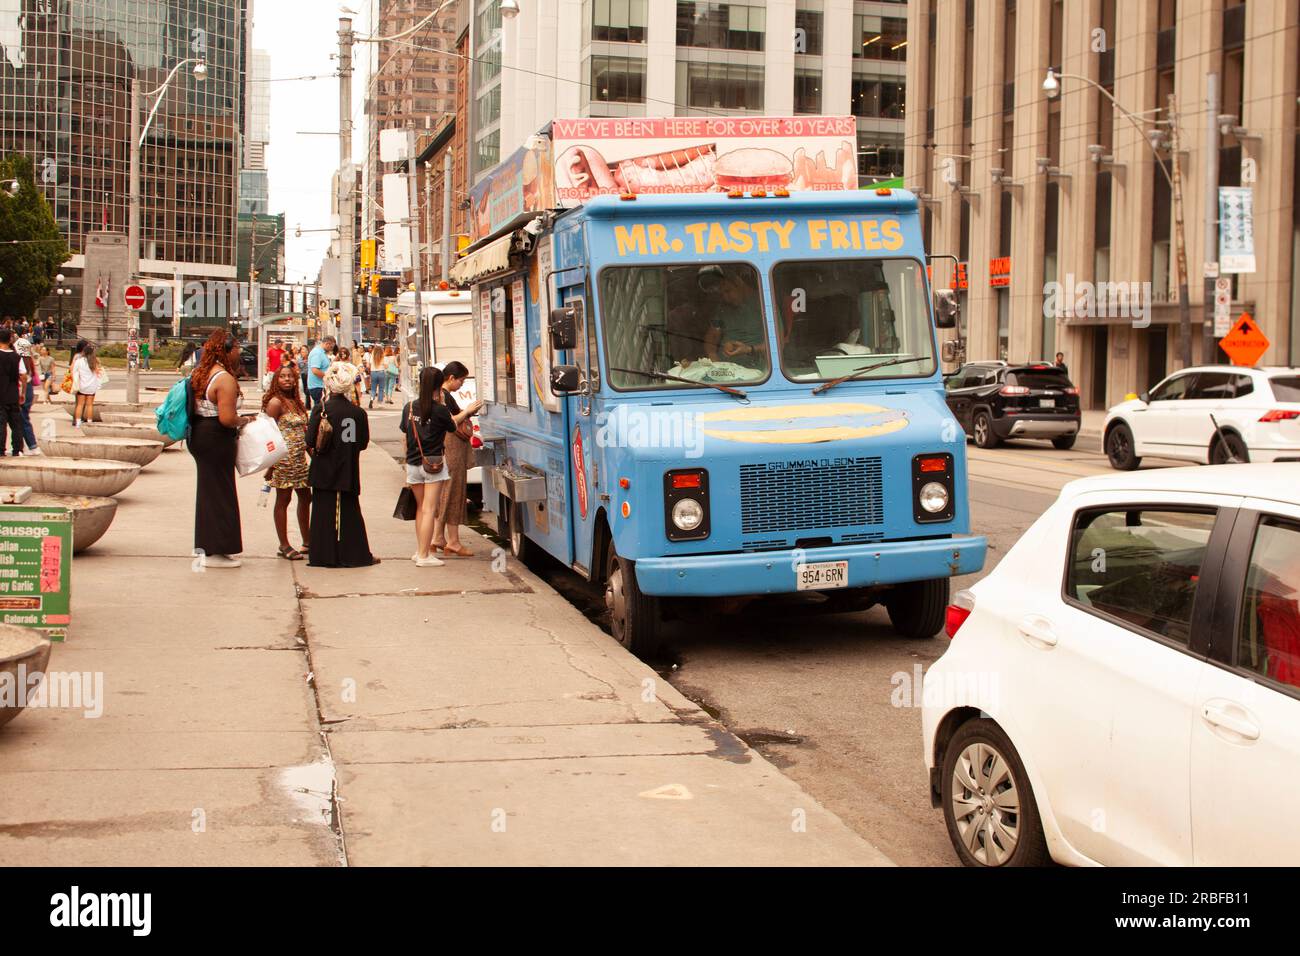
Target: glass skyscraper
column 65, row 85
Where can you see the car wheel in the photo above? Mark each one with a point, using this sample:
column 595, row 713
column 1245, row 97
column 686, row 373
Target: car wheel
column 1120, row 448
column 1229, row 449
column 634, row 617
column 917, row 609
column 982, row 428
column 1065, row 442
column 988, row 802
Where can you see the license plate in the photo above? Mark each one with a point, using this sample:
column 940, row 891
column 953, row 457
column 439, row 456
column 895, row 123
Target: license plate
column 1047, row 403
column 822, row 577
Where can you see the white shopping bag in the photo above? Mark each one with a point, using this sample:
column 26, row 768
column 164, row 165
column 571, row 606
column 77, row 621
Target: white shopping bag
column 260, row 446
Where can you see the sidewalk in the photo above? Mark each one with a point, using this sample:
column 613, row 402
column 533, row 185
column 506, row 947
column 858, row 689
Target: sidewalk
column 285, row 715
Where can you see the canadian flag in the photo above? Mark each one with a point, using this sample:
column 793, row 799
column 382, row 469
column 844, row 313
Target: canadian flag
column 101, row 293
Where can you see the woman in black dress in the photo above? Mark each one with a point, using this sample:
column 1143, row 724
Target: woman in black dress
column 214, row 433
column 338, row 531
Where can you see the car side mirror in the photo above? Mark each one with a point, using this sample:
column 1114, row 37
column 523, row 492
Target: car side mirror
column 565, row 379
column 1144, row 398
column 946, row 309
column 564, row 326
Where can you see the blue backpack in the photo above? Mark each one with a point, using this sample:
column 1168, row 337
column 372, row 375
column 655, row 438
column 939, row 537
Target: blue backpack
column 173, row 414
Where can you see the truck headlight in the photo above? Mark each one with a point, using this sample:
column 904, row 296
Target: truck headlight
column 933, row 497
column 688, row 514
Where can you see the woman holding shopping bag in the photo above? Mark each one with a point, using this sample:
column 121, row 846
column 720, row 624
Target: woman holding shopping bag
column 337, row 433
column 288, row 476
column 214, row 435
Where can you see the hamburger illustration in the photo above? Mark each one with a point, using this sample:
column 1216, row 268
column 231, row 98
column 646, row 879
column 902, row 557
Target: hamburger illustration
column 752, row 168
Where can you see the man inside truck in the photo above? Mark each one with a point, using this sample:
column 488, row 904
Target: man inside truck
column 738, row 329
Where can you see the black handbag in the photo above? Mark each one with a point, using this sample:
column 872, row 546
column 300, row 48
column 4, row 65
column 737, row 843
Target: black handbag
column 406, row 505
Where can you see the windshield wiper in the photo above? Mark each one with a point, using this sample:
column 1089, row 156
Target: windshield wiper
column 664, row 376
column 900, row 360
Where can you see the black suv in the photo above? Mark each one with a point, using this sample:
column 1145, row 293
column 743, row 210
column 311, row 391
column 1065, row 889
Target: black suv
column 994, row 401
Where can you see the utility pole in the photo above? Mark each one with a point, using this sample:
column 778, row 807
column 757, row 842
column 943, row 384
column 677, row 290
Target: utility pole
column 413, row 224
column 347, row 180
column 1180, row 237
column 446, row 215
column 428, row 217
column 133, row 242
column 1211, row 213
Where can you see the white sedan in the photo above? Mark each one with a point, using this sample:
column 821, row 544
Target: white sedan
column 1124, row 687
column 1257, row 411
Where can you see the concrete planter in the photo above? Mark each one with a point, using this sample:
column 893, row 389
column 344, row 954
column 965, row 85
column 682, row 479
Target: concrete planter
column 139, row 432
column 133, row 451
column 68, row 476
column 103, row 409
column 90, row 516
column 25, row 647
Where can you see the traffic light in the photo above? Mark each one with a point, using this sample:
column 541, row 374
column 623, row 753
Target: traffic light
column 374, row 283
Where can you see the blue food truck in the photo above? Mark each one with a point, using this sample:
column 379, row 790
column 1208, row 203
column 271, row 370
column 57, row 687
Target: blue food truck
column 723, row 395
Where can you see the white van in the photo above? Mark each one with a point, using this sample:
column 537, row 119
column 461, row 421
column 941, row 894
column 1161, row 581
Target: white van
column 449, row 329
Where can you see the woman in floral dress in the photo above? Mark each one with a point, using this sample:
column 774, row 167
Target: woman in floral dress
column 284, row 403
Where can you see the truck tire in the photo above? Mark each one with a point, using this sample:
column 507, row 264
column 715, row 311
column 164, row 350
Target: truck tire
column 634, row 618
column 510, row 528
column 917, row 609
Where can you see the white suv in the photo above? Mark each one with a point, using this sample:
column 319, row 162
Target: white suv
column 1257, row 410
column 1124, row 687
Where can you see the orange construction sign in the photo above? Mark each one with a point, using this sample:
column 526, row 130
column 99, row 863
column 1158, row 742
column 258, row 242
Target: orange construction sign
column 1246, row 342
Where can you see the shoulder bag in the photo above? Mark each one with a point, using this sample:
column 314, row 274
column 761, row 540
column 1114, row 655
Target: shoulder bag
column 432, row 464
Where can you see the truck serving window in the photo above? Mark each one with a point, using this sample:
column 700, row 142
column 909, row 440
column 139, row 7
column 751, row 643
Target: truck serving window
column 836, row 316
column 702, row 323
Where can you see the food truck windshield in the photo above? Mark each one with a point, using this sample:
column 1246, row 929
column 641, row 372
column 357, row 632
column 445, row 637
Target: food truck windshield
column 670, row 325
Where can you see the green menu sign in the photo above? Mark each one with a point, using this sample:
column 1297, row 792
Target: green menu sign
column 36, row 568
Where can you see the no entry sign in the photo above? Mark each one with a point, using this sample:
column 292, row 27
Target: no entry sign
column 134, row 296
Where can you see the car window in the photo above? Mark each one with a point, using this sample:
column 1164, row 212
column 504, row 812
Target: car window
column 1242, row 385
column 1140, row 566
column 1212, row 385
column 1039, row 379
column 1286, row 388
column 1173, row 389
column 1268, row 642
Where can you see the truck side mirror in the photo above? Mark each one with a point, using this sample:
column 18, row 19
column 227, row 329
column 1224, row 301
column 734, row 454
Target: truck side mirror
column 565, row 379
column 946, row 309
column 564, row 326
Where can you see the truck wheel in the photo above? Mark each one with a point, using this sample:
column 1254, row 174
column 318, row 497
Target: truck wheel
column 1120, row 448
column 917, row 609
column 985, row 436
column 634, row 618
column 510, row 528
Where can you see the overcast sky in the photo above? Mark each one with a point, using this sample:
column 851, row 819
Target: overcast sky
column 301, row 44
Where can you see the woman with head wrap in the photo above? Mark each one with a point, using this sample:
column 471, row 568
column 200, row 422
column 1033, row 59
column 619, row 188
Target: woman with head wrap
column 338, row 531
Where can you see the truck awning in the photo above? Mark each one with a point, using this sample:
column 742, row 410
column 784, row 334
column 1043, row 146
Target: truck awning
column 490, row 258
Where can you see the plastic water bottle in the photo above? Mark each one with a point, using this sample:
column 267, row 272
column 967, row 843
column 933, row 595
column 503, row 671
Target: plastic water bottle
column 264, row 497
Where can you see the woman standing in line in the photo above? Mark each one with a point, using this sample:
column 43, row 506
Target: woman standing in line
column 214, row 434
column 87, row 377
column 303, row 353
column 338, row 530
column 288, row 476
column 427, row 422
column 390, row 366
column 451, row 505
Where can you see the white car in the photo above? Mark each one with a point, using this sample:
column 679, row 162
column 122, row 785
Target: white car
column 1124, row 687
column 1257, row 411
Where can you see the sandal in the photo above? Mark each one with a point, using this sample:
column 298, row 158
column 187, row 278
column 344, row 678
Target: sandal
column 438, row 547
column 461, row 552
column 289, row 554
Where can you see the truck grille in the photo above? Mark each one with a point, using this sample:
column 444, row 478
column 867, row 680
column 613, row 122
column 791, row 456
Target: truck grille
column 806, row 495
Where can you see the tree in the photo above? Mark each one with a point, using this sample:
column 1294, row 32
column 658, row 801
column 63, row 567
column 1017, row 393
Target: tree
column 29, row 265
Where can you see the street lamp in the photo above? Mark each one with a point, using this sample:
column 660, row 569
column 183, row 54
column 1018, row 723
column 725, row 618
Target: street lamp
column 200, row 73
column 61, row 292
column 1155, row 140
column 509, row 9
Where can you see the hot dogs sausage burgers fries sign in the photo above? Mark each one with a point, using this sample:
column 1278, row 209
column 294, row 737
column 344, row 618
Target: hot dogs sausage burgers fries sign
column 596, row 157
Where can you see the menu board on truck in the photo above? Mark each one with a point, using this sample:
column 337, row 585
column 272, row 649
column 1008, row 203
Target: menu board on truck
column 520, row 360
column 689, row 154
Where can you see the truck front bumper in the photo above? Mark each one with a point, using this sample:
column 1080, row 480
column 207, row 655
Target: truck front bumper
column 773, row 572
